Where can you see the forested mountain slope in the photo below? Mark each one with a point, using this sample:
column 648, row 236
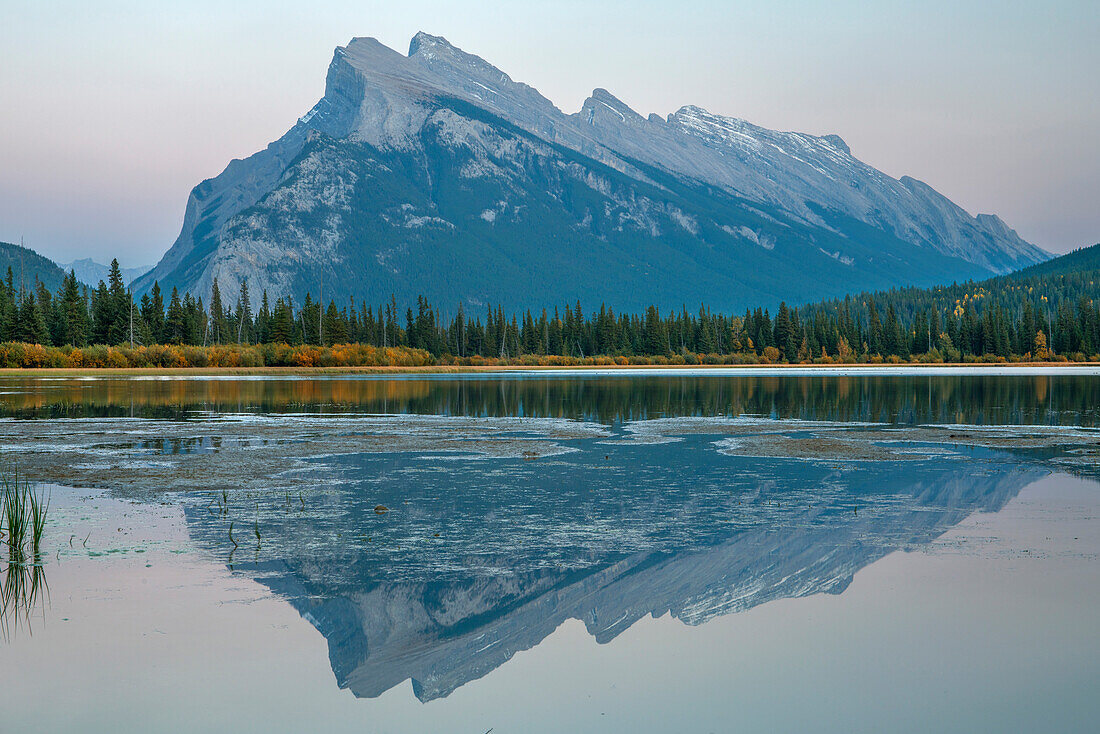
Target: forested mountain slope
column 27, row 265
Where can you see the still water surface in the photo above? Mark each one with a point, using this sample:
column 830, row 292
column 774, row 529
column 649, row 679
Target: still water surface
column 560, row 553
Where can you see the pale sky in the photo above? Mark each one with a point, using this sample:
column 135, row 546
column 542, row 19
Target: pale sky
column 111, row 111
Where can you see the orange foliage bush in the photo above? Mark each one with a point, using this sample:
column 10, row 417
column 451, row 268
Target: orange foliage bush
column 173, row 356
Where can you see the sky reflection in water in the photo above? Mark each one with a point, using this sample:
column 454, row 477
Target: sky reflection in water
column 478, row 558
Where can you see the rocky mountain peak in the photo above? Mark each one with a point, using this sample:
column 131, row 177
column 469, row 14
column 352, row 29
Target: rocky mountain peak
column 425, row 43
column 604, row 105
column 437, row 52
column 700, row 121
column 993, row 223
column 366, row 52
column 439, row 151
column 837, row 142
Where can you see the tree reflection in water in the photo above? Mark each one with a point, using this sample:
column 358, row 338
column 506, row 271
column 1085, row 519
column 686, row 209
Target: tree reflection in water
column 905, row 399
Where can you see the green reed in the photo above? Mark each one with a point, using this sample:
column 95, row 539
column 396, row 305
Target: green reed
column 38, row 509
column 22, row 515
column 23, row 510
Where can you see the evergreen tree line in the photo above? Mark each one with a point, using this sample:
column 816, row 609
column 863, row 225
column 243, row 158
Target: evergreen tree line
column 1055, row 315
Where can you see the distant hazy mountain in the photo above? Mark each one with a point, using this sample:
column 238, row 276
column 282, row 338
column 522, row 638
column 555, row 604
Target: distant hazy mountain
column 27, row 265
column 436, row 173
column 91, row 272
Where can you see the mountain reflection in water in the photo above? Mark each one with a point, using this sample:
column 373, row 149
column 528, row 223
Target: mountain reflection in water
column 479, row 558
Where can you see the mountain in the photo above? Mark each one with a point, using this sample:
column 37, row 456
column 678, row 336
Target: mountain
column 1081, row 260
column 435, row 173
column 1048, row 287
column 38, row 266
column 91, row 272
column 27, row 266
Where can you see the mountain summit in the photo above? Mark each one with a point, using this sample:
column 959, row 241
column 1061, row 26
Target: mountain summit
column 435, row 173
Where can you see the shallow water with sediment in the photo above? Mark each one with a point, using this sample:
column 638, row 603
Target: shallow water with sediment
column 538, row 552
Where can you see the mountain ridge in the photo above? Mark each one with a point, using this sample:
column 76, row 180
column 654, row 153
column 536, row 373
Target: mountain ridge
column 90, row 271
column 28, row 267
column 414, row 174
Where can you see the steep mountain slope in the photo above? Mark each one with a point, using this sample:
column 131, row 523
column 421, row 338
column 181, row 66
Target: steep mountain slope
column 27, row 266
column 435, row 173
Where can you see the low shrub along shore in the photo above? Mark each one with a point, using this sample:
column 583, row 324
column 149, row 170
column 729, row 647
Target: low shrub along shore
column 21, row 355
column 176, row 356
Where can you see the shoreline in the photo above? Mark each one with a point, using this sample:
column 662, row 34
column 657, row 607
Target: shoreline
column 853, row 369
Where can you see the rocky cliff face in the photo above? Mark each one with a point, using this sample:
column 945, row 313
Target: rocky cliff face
column 436, row 173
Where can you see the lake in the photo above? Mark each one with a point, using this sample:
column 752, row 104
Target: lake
column 645, row 551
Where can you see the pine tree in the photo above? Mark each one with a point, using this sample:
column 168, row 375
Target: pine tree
column 102, row 314
column 282, row 323
column 655, row 340
column 875, row 337
column 8, row 309
column 263, row 321
column 117, row 310
column 74, row 312
column 783, row 334
column 244, row 314
column 175, row 323
column 334, row 327
column 309, row 321
column 934, row 328
column 143, row 334
column 32, row 323
column 152, row 311
column 196, row 319
column 217, row 314
column 50, row 313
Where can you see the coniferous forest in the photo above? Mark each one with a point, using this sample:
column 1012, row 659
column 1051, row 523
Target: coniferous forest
column 1046, row 312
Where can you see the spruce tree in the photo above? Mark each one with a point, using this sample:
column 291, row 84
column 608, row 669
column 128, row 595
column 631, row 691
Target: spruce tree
column 263, row 321
column 655, row 340
column 50, row 313
column 8, row 309
column 32, row 323
column 74, row 312
column 282, row 323
column 783, row 334
column 152, row 311
column 175, row 322
column 117, row 310
column 102, row 314
column 244, row 314
column 217, row 315
column 335, row 329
